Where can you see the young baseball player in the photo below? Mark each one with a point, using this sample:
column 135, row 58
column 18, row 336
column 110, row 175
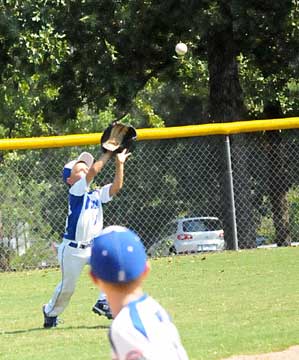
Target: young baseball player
column 83, row 223
column 141, row 329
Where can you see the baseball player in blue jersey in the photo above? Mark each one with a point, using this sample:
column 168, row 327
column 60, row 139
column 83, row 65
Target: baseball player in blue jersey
column 141, row 329
column 83, row 223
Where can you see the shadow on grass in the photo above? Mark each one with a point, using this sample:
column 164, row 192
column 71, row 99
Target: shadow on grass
column 23, row 331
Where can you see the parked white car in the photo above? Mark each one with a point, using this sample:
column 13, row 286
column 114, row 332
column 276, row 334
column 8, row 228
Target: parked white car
column 190, row 235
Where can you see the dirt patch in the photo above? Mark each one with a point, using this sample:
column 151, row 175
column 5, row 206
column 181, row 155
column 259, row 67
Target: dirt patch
column 290, row 354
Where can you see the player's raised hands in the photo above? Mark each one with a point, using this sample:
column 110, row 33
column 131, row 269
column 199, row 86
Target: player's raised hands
column 122, row 156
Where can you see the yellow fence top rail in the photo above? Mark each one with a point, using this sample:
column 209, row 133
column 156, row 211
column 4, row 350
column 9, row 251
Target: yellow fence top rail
column 154, row 133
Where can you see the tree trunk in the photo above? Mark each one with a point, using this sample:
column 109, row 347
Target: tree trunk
column 278, row 179
column 227, row 104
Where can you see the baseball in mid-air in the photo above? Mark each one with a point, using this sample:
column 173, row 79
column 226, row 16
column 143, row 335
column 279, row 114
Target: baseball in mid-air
column 181, row 48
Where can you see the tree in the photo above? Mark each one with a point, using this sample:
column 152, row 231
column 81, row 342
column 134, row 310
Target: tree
column 31, row 53
column 272, row 49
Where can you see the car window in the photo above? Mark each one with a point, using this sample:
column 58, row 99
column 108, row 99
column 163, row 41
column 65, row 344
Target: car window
column 201, row 225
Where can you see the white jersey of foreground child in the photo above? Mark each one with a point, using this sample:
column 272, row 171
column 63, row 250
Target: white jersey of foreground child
column 143, row 330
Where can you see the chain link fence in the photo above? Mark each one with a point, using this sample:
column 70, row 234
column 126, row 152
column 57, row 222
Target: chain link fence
column 164, row 180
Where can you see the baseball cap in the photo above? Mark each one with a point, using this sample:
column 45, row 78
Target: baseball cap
column 117, row 255
column 85, row 157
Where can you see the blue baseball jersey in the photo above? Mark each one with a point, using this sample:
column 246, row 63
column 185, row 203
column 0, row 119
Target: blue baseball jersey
column 143, row 330
column 85, row 214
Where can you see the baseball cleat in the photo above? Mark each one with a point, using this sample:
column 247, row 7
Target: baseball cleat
column 49, row 321
column 102, row 308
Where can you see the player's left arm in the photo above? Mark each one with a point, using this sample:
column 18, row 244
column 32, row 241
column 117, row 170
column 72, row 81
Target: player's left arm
column 118, row 181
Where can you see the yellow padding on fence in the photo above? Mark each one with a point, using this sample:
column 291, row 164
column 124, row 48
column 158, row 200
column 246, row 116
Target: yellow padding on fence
column 154, row 133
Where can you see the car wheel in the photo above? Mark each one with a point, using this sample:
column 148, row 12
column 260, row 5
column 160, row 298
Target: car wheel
column 172, row 250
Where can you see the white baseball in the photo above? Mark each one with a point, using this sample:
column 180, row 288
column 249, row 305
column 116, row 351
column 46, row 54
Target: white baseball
column 181, row 48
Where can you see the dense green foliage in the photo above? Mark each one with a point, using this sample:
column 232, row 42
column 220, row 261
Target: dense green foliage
column 60, row 57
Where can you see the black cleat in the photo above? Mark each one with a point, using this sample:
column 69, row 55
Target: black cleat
column 102, row 308
column 49, row 321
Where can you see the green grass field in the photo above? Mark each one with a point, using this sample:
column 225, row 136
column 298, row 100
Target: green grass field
column 223, row 304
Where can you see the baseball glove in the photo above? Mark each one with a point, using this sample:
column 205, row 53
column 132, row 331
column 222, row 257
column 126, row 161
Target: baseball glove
column 118, row 137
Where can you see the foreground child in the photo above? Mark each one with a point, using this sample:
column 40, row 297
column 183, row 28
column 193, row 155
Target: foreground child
column 141, row 329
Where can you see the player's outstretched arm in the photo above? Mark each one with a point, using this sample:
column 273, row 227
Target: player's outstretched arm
column 120, row 160
column 98, row 166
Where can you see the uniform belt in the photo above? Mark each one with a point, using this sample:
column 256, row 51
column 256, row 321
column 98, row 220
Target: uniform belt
column 78, row 246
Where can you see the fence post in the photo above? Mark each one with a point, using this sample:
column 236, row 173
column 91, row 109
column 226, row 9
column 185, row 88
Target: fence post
column 233, row 242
